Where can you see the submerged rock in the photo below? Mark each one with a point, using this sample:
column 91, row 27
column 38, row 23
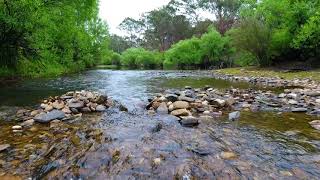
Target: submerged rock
column 299, row 109
column 234, row 116
column 45, row 118
column 189, row 121
column 315, row 124
column 100, row 108
column 4, row 147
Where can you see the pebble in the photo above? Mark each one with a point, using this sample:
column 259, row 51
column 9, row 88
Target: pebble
column 234, row 115
column 180, row 112
column 4, row 147
column 17, row 127
column 228, row 155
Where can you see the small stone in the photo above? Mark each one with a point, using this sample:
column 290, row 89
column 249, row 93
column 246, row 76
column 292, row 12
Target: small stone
column 86, row 109
column 34, row 113
column 299, row 110
column 228, row 155
column 292, row 96
column 315, row 124
column 17, row 127
column 156, row 161
column 66, row 110
column 293, row 102
column 100, row 108
column 318, row 101
column 28, row 123
column 171, row 108
column 234, row 116
column 180, row 112
column 48, row 108
column 171, row 97
column 162, row 109
column 4, row 147
column 17, row 131
column 76, row 105
column 189, row 121
column 180, row 105
column 58, row 105
column 185, row 98
column 219, row 102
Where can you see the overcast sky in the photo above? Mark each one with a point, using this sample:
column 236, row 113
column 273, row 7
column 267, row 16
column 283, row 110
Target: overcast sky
column 115, row 11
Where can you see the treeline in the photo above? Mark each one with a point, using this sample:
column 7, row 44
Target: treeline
column 244, row 32
column 49, row 37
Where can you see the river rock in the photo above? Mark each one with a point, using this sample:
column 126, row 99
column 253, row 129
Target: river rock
column 85, row 109
column 180, row 112
column 34, row 113
column 28, row 123
column 100, row 108
column 58, row 105
column 189, row 121
column 299, row 109
column 4, row 147
column 228, row 155
column 185, row 98
column 48, row 108
column 293, row 102
column 171, row 97
column 219, row 102
column 234, row 116
column 318, row 101
column 163, row 109
column 292, row 96
column 180, row 105
column 77, row 104
column 16, row 127
column 315, row 124
column 45, row 118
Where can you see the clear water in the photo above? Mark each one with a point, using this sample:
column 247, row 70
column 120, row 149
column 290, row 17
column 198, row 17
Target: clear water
column 124, row 145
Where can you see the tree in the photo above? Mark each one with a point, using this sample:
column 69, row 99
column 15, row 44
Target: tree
column 225, row 12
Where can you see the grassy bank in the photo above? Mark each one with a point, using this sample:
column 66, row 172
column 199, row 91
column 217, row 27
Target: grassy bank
column 269, row 72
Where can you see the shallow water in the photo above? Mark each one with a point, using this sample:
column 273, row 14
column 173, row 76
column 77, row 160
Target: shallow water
column 134, row 145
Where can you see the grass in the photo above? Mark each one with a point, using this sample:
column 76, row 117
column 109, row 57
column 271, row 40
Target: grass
column 269, row 72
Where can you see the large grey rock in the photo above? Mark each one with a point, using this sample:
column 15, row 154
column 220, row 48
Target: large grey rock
column 45, row 118
column 234, row 116
column 163, row 109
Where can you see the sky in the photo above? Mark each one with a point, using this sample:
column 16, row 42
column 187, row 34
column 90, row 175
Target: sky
column 115, row 11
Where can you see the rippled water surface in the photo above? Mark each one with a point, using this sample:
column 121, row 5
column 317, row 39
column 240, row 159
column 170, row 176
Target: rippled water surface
column 134, row 145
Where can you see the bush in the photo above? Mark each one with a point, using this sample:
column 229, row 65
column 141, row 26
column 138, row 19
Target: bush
column 210, row 49
column 141, row 58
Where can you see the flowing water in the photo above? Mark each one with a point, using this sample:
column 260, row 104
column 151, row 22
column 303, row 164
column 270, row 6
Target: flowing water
column 135, row 145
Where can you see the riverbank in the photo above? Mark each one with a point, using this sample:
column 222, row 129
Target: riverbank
column 313, row 75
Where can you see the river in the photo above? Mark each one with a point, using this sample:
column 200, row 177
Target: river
column 135, row 145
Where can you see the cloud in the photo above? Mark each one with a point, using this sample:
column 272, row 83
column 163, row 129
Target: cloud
column 115, row 11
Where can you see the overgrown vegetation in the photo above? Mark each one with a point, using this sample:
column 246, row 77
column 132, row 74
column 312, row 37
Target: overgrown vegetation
column 245, row 33
column 44, row 38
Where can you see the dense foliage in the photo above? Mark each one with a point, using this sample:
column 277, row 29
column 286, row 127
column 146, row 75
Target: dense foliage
column 141, row 58
column 41, row 38
column 252, row 32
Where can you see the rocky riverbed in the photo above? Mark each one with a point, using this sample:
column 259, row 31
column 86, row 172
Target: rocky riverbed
column 264, row 139
column 66, row 107
column 193, row 105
